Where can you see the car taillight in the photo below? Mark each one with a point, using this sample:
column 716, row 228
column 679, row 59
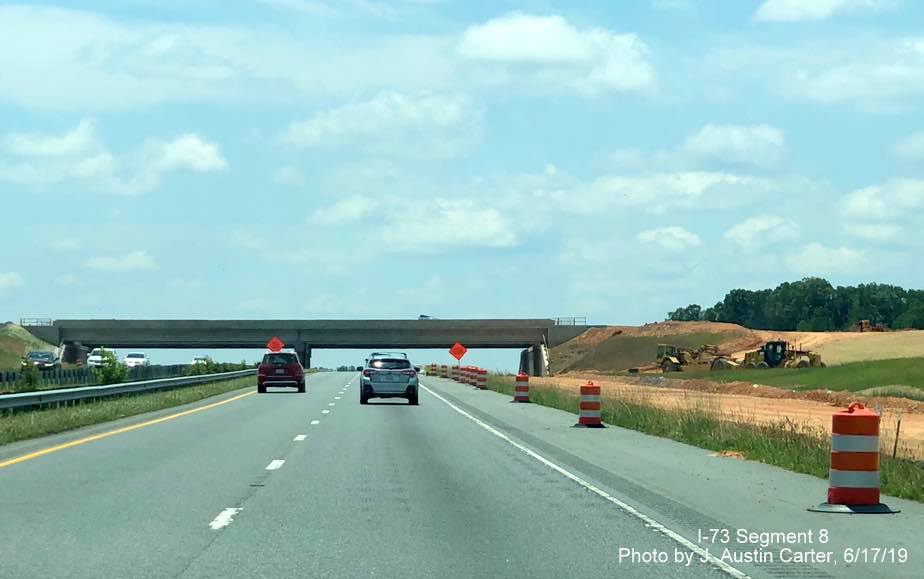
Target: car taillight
column 410, row 373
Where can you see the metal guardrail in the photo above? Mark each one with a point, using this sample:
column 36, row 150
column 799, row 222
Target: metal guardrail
column 45, row 397
column 85, row 375
column 571, row 321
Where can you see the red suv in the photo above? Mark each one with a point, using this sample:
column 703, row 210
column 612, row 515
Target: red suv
column 280, row 369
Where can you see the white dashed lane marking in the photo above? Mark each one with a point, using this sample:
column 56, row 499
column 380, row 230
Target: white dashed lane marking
column 224, row 518
column 337, row 397
column 313, row 422
column 300, row 438
column 275, row 465
column 331, row 403
column 325, row 412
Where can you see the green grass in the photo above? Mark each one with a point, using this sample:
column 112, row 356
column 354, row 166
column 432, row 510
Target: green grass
column 14, row 343
column 620, row 352
column 853, row 377
column 36, row 423
column 784, row 444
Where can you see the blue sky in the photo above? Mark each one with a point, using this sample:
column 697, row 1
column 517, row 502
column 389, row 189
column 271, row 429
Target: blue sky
column 357, row 158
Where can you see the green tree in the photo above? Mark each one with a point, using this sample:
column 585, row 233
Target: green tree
column 110, row 371
column 691, row 313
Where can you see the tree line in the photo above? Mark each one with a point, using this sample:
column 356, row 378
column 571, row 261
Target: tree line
column 813, row 305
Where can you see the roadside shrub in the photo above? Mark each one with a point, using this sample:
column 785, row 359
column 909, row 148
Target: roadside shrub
column 111, row 371
column 29, row 378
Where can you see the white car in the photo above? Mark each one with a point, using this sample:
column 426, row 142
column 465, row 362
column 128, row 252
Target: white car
column 95, row 359
column 133, row 359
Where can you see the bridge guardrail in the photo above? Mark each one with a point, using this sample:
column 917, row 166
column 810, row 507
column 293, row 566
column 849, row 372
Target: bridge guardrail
column 41, row 398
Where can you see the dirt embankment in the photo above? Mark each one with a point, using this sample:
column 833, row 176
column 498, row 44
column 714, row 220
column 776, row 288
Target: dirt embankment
column 600, row 348
column 745, row 402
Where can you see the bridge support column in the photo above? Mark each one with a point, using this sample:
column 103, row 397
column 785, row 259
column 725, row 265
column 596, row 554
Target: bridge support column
column 304, row 354
column 75, row 353
column 532, row 361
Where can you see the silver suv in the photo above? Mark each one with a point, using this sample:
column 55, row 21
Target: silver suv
column 388, row 375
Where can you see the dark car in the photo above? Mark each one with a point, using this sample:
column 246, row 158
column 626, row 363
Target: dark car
column 280, row 369
column 41, row 360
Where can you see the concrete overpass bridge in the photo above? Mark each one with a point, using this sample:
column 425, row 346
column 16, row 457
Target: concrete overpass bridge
column 534, row 336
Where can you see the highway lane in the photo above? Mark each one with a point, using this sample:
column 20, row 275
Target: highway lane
column 449, row 489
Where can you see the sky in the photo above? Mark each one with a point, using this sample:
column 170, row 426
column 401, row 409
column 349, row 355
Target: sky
column 303, row 159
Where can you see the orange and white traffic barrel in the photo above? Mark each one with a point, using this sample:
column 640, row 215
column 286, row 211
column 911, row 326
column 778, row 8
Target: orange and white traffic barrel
column 591, row 404
column 853, row 481
column 457, row 373
column 444, row 371
column 521, row 388
column 482, row 379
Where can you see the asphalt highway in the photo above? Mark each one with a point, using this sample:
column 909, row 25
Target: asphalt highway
column 464, row 485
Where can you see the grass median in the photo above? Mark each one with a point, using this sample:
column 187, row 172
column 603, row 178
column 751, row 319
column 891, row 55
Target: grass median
column 24, row 425
column 784, row 444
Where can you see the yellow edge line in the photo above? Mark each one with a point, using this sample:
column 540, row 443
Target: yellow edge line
column 122, row 430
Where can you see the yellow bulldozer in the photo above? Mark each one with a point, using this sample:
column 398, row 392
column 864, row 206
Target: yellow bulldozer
column 773, row 354
column 676, row 359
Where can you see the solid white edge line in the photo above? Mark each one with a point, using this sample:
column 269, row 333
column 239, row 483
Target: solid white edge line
column 275, row 465
column 649, row 522
column 299, row 437
column 224, row 518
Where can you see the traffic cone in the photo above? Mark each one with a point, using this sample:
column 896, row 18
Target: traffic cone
column 853, row 481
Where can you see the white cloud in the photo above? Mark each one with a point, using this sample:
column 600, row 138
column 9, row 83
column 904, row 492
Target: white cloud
column 188, row 152
column 876, row 232
column 143, row 62
column 752, row 144
column 592, row 60
column 817, row 259
column 394, row 123
column 805, row 10
column 894, row 198
column 442, row 224
column 346, row 210
column 80, row 139
column 78, row 155
column 288, row 175
column 132, row 261
column 662, row 192
column 911, row 148
column 10, row 279
column 874, row 73
column 673, row 238
column 756, row 232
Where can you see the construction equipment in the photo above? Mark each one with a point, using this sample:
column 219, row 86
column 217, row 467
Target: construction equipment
column 779, row 354
column 867, row 326
column 675, row 359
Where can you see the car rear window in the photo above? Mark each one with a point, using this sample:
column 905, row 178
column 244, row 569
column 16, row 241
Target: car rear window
column 135, row 356
column 40, row 355
column 390, row 364
column 280, row 359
